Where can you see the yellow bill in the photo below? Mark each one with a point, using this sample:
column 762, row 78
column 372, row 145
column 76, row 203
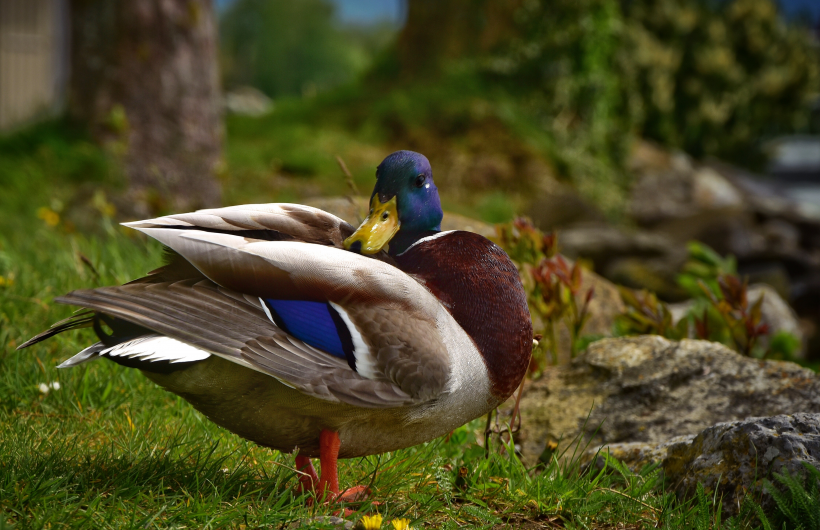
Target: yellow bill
column 379, row 228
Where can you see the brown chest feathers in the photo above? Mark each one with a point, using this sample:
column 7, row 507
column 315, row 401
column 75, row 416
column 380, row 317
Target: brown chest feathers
column 476, row 281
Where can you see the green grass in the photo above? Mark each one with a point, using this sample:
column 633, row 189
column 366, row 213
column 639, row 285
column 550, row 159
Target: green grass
column 108, row 449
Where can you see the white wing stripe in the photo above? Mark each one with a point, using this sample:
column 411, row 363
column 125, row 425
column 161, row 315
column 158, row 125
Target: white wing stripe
column 157, row 348
column 266, row 310
column 365, row 363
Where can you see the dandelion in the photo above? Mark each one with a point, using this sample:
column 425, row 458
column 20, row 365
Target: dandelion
column 7, row 281
column 402, row 524
column 371, row 522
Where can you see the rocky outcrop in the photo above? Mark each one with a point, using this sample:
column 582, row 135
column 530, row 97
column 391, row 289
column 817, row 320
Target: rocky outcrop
column 730, row 459
column 649, row 389
column 734, row 458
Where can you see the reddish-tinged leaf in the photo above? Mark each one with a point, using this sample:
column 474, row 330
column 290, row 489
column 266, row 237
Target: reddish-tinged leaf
column 549, row 244
column 724, row 307
column 733, row 290
column 589, row 296
column 756, row 314
column 702, row 326
column 575, row 279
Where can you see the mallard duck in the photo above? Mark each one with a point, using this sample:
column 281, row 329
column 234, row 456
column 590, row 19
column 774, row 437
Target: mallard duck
column 284, row 325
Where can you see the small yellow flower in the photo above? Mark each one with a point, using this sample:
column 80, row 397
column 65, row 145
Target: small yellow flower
column 371, row 522
column 48, row 215
column 7, row 281
column 402, row 524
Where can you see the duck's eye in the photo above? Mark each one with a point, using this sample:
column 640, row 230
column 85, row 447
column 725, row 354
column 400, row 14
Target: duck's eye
column 420, row 180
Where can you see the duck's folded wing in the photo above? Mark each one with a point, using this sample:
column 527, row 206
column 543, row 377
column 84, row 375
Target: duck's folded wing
column 236, row 327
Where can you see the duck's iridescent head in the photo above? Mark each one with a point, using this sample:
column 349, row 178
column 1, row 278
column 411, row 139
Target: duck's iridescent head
column 404, row 201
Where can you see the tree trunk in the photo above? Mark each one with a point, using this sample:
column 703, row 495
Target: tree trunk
column 144, row 78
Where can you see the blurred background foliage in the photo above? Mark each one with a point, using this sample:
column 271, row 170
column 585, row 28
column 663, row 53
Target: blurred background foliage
column 574, row 81
column 294, row 48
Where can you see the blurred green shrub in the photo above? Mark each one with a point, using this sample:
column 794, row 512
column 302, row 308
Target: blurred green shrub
column 287, row 48
column 711, row 78
column 564, row 65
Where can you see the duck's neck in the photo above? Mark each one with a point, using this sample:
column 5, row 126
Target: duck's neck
column 405, row 239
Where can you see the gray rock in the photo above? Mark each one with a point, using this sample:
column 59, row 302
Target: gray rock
column 600, row 243
column 649, row 389
column 635, row 455
column 635, row 258
column 658, row 195
column 781, row 235
column 248, row 101
column 726, row 231
column 561, row 207
column 710, row 190
column 670, row 186
column 776, row 312
column 734, row 458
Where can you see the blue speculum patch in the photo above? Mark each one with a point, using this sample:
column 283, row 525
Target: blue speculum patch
column 315, row 323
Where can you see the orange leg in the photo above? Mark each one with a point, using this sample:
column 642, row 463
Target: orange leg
column 329, row 445
column 307, row 478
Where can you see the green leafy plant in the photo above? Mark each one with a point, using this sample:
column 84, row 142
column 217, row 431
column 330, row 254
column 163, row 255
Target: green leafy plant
column 645, row 314
column 797, row 505
column 720, row 312
column 559, row 287
column 742, row 320
column 704, row 265
column 554, row 286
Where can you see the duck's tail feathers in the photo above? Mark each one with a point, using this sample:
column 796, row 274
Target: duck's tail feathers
column 92, row 352
column 83, row 318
